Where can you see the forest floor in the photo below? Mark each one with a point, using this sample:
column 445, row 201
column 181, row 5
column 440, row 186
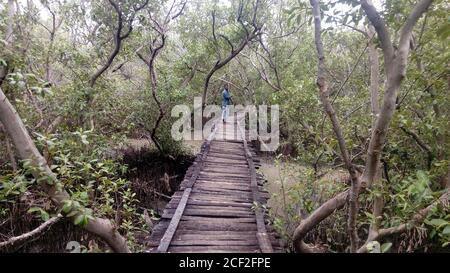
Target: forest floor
column 292, row 173
column 289, row 185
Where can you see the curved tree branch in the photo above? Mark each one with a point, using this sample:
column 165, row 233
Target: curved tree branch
column 15, row 242
column 321, row 213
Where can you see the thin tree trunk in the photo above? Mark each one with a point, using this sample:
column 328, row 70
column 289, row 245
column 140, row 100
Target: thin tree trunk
column 374, row 75
column 154, row 86
column 9, row 27
column 378, row 200
column 323, row 88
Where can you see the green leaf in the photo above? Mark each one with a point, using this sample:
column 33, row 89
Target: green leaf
column 443, row 32
column 34, row 209
column 446, row 230
column 79, row 219
column 44, row 215
column 84, row 139
column 67, row 206
column 385, row 247
column 373, row 247
column 72, row 213
column 438, row 222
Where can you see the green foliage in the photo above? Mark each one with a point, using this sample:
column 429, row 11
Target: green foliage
column 13, row 185
column 375, row 247
column 438, row 223
column 299, row 195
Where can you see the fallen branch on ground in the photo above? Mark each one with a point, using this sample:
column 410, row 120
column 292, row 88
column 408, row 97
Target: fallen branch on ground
column 15, row 242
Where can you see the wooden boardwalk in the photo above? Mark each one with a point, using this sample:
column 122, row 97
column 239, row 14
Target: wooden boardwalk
column 219, row 206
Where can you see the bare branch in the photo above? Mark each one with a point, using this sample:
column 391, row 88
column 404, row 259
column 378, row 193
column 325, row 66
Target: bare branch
column 15, row 242
column 183, row 5
column 228, row 41
column 406, row 31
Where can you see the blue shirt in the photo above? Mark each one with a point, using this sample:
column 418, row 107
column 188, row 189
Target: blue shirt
column 226, row 98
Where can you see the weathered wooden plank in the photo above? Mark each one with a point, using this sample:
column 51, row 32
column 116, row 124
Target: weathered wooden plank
column 225, row 181
column 209, row 198
column 225, row 169
column 230, row 178
column 238, row 149
column 239, row 194
column 216, row 237
column 169, row 213
column 263, row 239
column 211, row 202
column 230, row 149
column 222, row 188
column 219, row 236
column 229, row 162
column 239, row 155
column 219, row 197
column 225, row 155
column 248, row 219
column 215, row 232
column 168, row 235
column 227, row 226
column 221, row 184
column 210, row 242
column 231, row 181
column 240, row 160
column 212, row 179
column 227, row 143
column 214, row 249
column 212, row 208
column 242, row 194
column 224, row 173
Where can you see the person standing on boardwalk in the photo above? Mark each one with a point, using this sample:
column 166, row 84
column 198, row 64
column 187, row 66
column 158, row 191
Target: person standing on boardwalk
column 226, row 101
